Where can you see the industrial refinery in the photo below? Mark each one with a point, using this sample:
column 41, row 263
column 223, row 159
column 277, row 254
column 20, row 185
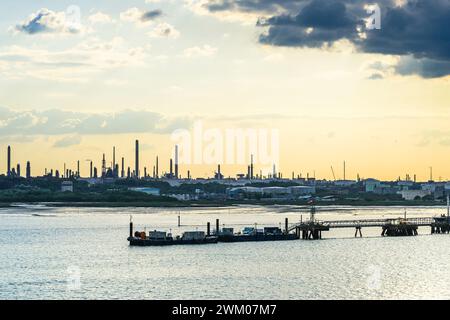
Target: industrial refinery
column 273, row 187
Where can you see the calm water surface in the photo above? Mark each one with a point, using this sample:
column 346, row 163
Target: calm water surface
column 71, row 253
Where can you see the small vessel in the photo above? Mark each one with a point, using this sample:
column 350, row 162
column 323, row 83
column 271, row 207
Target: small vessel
column 162, row 238
column 254, row 234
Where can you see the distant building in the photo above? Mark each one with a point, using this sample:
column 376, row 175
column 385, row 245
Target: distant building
column 429, row 187
column 414, row 194
column 67, row 186
column 147, row 190
column 293, row 192
column 405, row 185
column 371, row 184
column 344, row 183
column 302, row 190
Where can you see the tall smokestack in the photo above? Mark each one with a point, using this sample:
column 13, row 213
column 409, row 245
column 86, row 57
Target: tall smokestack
column 78, row 168
column 171, row 167
column 8, row 172
column 114, row 157
column 157, row 168
column 28, row 175
column 251, row 167
column 122, row 174
column 137, row 159
column 90, row 169
column 344, row 170
column 176, row 161
column 103, row 166
column 114, row 162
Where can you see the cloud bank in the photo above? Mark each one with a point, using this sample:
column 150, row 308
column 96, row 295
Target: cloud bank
column 59, row 122
column 416, row 30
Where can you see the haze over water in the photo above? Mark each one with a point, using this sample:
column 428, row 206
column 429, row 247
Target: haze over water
column 44, row 250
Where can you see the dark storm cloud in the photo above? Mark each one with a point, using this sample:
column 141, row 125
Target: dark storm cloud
column 426, row 68
column 319, row 22
column 418, row 29
column 151, row 15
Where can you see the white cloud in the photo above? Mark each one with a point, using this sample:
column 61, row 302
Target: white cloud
column 46, row 21
column 73, row 124
column 203, row 51
column 274, row 57
column 131, row 15
column 100, row 18
column 74, row 64
column 68, row 141
column 164, row 30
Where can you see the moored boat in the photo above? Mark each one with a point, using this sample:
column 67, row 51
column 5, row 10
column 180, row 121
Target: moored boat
column 162, row 238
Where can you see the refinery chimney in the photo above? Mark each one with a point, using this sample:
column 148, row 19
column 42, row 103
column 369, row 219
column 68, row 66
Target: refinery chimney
column 251, row 167
column 176, row 161
column 28, row 175
column 122, row 173
column 137, row 160
column 114, row 159
column 8, row 172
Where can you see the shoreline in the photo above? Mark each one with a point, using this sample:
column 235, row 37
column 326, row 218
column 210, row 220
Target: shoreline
column 211, row 204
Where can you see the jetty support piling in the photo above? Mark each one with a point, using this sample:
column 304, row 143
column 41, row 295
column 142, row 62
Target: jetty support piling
column 131, row 229
column 396, row 230
column 286, row 226
column 358, row 231
column 310, row 231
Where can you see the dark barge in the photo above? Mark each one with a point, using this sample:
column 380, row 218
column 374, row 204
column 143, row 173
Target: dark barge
column 161, row 238
column 254, row 234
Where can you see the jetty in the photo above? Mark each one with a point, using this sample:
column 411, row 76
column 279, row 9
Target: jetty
column 310, row 229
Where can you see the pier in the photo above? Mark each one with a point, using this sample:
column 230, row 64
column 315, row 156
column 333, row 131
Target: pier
column 312, row 229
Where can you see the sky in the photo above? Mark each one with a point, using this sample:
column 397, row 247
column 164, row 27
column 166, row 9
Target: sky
column 320, row 76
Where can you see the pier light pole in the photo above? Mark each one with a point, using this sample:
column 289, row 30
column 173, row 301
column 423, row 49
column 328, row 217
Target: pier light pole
column 313, row 212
